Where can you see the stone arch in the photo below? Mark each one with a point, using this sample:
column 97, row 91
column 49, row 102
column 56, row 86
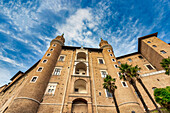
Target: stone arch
column 81, row 68
column 81, row 56
column 79, row 105
column 80, row 86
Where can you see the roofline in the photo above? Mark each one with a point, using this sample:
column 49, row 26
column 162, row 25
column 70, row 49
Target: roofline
column 144, row 37
column 127, row 55
column 20, row 76
column 92, row 49
column 19, row 72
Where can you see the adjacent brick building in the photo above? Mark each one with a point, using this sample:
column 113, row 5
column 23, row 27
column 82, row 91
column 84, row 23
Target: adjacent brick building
column 69, row 79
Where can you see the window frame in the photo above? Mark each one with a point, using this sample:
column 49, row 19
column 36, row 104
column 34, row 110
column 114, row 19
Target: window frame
column 39, row 68
column 51, row 49
column 125, row 83
column 101, row 73
column 48, row 54
column 107, row 94
column 63, row 58
column 99, row 59
column 111, row 55
column 56, row 72
column 54, row 45
column 116, row 66
column 44, row 62
column 48, row 87
column 113, row 60
column 35, row 79
column 150, row 65
column 109, row 50
column 163, row 51
column 129, row 59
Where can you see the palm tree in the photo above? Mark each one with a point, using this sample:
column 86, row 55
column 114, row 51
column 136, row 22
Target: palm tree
column 166, row 65
column 109, row 85
column 130, row 73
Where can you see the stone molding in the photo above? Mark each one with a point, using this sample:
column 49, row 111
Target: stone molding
column 28, row 99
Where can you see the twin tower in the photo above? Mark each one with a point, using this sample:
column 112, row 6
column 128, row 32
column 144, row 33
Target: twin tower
column 69, row 80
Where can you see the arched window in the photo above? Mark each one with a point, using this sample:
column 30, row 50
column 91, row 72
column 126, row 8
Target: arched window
column 81, row 68
column 80, row 86
column 81, row 56
column 79, row 106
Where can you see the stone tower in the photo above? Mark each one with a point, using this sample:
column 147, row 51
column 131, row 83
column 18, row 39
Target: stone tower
column 126, row 102
column 30, row 96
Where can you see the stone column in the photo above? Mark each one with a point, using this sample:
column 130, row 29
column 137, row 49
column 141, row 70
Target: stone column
column 31, row 94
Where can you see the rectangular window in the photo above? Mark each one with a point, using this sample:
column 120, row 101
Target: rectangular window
column 57, row 71
column 61, row 58
column 119, row 74
column 51, row 49
column 76, row 90
column 51, row 88
column 111, row 54
column 149, row 67
column 108, row 94
column 103, row 73
column 101, row 61
column 124, row 84
column 34, row 79
column 54, row 45
column 109, row 50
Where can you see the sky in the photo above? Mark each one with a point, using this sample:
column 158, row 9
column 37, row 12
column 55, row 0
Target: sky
column 28, row 26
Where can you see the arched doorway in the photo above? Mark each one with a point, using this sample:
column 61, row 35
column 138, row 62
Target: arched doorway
column 79, row 106
column 80, row 86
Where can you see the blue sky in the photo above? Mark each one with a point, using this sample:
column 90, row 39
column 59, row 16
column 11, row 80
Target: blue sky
column 28, row 26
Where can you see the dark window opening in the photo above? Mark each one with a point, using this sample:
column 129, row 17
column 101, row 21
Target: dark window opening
column 154, row 45
column 34, row 79
column 101, row 61
column 44, row 61
column 76, row 89
column 163, row 52
column 48, row 54
column 148, row 42
column 40, row 69
column 61, row 58
column 124, row 84
column 140, row 57
column 119, row 62
column 149, row 67
column 130, row 60
column 113, row 60
column 100, row 94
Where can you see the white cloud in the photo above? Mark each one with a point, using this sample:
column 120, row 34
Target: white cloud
column 5, row 76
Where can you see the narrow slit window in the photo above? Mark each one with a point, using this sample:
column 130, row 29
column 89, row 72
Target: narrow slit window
column 148, row 42
column 113, row 60
column 51, row 49
column 163, row 52
column 34, row 79
column 124, row 84
column 48, row 54
column 116, row 66
column 140, row 57
column 40, row 69
column 44, row 61
column 154, row 46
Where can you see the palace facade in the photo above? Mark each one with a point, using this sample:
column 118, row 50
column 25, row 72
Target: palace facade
column 69, row 79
